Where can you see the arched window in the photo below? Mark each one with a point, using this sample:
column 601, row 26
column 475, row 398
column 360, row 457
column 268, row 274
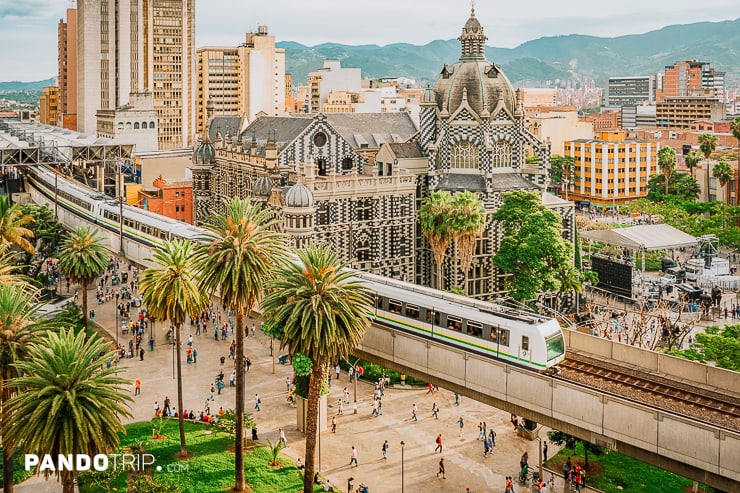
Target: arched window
column 363, row 251
column 136, row 125
column 502, row 154
column 128, row 125
column 321, row 163
column 143, row 125
column 151, row 125
column 120, row 125
column 464, row 155
column 347, row 164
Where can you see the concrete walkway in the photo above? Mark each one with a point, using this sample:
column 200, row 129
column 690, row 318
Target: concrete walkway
column 463, row 454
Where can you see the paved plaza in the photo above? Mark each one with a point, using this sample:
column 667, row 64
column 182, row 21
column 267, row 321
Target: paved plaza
column 463, row 453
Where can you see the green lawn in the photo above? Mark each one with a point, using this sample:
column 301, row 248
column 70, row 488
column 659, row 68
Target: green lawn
column 211, row 468
column 617, row 473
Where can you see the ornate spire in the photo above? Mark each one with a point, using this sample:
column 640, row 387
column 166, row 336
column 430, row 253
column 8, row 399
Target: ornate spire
column 472, row 39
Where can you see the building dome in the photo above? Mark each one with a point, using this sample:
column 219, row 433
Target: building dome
column 428, row 96
column 298, row 196
column 262, row 187
column 473, row 77
column 205, row 152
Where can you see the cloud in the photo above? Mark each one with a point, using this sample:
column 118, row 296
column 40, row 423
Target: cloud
column 37, row 9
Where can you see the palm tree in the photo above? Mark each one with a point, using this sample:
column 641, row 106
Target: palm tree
column 468, row 221
column 434, row 216
column 735, row 128
column 707, row 145
column 13, row 226
column 68, row 405
column 323, row 311
column 724, row 174
column 17, row 330
column 237, row 258
column 172, row 291
column 82, row 258
column 667, row 164
column 692, row 160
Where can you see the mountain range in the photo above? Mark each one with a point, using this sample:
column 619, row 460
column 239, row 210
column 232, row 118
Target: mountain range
column 543, row 59
column 18, row 86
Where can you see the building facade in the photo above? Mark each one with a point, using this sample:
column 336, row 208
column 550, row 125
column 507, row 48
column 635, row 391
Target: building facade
column 169, row 197
column 242, row 80
column 133, row 123
column 611, row 170
column 49, row 106
column 630, row 91
column 129, row 46
column 680, row 112
column 67, row 72
column 331, row 78
column 690, row 77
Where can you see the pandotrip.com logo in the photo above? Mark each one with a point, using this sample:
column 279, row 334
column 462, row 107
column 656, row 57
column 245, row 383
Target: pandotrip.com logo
column 99, row 462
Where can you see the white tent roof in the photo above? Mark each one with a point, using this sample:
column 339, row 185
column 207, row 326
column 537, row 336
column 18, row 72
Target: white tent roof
column 644, row 237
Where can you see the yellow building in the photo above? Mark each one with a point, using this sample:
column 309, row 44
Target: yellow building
column 611, row 170
column 49, row 106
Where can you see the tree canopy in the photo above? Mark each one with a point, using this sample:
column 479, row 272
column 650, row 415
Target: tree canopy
column 533, row 249
column 680, row 185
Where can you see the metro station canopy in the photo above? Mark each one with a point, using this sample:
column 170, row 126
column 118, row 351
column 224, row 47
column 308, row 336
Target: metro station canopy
column 646, row 237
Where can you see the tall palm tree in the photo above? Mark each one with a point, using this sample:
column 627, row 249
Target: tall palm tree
column 667, row 164
column 692, row 160
column 468, row 221
column 82, row 258
column 434, row 216
column 323, row 311
column 17, row 329
column 724, row 174
column 707, row 145
column 735, row 128
column 13, row 226
column 237, row 257
column 68, row 405
column 173, row 291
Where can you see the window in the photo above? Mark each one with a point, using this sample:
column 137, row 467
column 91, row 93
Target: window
column 525, row 343
column 321, row 163
column 464, row 155
column 151, row 124
column 128, row 125
column 500, row 336
column 433, row 317
column 136, row 125
column 347, row 164
column 412, row 312
column 363, row 253
column 120, row 125
column 454, row 323
column 143, row 125
column 475, row 329
column 394, row 306
column 501, row 154
column 364, row 209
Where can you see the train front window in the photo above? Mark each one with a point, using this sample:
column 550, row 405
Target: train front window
column 555, row 346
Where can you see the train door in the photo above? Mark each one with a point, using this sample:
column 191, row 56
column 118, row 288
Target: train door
column 524, row 349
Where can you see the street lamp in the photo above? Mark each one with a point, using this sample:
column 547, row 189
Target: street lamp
column 402, row 465
column 119, row 190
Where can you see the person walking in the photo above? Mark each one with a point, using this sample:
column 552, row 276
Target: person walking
column 340, row 409
column 141, row 354
column 544, row 451
column 439, row 444
column 257, row 402
column 441, row 468
column 213, row 392
column 166, row 406
column 435, row 411
column 137, row 387
column 461, row 424
column 282, row 437
column 385, row 449
column 457, row 399
column 333, row 424
column 353, row 457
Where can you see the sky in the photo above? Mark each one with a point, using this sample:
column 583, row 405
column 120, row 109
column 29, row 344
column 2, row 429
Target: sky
column 28, row 28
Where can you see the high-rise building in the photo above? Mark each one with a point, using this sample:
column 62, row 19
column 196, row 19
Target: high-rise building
column 242, row 80
column 680, row 112
column 630, row 91
column 331, row 78
column 129, row 46
column 691, row 78
column 67, row 58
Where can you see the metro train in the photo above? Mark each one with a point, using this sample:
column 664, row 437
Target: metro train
column 511, row 335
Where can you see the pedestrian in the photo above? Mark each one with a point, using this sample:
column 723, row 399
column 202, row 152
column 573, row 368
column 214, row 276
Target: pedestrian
column 353, row 457
column 457, row 399
column 486, row 447
column 481, row 432
column 333, row 424
column 340, row 410
column 354, row 408
column 439, row 444
column 509, row 488
column 441, row 468
column 151, row 344
column 336, row 370
column 213, row 392
column 232, row 379
column 413, row 413
column 156, row 408
column 385, row 449
column 249, row 363
column 544, row 451
column 257, row 402
column 166, row 405
column 219, row 385
column 492, row 436
column 461, row 424
column 515, row 422
column 190, row 341
column 195, row 355
column 137, row 387
column 287, row 384
column 141, row 354
column 282, row 437
column 253, row 330
column 435, row 411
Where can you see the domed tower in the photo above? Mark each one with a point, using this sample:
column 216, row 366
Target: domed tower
column 298, row 213
column 204, row 161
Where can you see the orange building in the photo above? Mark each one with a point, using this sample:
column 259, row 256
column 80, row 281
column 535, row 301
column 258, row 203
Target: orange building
column 680, row 80
column 169, row 197
column 606, row 120
column 67, row 57
column 49, row 105
column 611, row 170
